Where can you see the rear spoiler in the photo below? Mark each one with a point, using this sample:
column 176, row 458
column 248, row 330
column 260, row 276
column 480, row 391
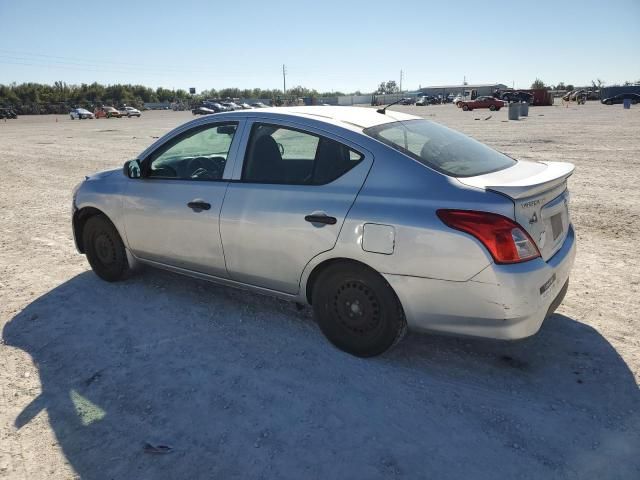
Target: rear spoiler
column 525, row 181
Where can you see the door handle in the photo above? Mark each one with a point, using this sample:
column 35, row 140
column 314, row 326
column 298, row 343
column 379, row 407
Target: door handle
column 321, row 218
column 198, row 205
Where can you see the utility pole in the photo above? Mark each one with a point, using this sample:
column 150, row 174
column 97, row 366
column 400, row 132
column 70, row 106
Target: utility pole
column 284, row 80
column 401, row 76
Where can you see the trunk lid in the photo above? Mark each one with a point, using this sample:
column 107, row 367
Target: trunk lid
column 540, row 197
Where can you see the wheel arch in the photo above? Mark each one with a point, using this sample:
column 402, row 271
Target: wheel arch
column 80, row 218
column 322, row 266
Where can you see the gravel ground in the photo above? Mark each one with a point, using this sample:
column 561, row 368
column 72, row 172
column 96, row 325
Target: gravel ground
column 244, row 386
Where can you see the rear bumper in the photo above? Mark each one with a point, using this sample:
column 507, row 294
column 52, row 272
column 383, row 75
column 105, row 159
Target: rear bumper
column 505, row 302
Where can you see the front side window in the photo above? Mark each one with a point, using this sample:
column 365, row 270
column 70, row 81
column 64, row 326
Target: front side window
column 282, row 155
column 440, row 148
column 199, row 154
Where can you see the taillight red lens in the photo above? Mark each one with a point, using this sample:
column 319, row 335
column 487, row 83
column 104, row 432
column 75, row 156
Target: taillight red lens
column 506, row 241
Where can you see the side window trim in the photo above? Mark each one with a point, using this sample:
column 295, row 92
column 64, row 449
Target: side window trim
column 243, row 142
column 181, row 134
column 239, row 171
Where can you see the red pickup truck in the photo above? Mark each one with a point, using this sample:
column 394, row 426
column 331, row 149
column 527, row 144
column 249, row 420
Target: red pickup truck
column 482, row 102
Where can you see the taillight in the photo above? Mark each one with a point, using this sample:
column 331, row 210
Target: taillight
column 506, row 241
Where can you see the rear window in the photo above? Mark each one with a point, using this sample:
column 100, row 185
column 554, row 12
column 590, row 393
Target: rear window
column 440, row 148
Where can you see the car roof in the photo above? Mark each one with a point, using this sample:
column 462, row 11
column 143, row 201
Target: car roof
column 353, row 118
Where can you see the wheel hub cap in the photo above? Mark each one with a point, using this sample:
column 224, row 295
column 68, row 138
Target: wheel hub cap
column 356, row 308
column 105, row 250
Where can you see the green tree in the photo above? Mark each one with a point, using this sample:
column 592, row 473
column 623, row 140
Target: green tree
column 538, row 84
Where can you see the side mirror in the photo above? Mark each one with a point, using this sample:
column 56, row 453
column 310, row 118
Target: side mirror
column 132, row 169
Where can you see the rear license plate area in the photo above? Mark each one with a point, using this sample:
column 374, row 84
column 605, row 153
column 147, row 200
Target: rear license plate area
column 556, row 225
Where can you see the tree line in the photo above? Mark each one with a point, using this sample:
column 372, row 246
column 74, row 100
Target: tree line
column 33, row 98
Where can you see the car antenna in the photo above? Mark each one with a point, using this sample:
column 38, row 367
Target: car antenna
column 382, row 110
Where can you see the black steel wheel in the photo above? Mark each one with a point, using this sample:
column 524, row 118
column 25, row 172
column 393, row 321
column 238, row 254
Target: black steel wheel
column 357, row 310
column 104, row 249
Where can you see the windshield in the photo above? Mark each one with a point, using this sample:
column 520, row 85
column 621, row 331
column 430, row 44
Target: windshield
column 440, row 148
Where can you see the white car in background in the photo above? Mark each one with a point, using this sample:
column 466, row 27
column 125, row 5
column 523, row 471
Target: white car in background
column 80, row 114
column 130, row 112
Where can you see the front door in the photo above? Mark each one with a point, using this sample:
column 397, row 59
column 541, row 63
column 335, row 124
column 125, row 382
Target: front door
column 290, row 203
column 172, row 213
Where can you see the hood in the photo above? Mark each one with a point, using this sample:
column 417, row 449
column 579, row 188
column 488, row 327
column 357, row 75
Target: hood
column 103, row 174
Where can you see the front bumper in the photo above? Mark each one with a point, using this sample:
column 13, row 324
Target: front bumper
column 505, row 302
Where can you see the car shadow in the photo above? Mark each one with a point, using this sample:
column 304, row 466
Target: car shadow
column 244, row 386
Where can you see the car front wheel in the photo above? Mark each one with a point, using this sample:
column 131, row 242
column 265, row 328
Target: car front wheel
column 357, row 310
column 104, row 249
column 465, row 107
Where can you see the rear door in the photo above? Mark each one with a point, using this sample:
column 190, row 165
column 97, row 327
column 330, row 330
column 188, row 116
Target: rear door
column 289, row 201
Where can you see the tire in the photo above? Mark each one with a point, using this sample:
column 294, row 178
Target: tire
column 608, row 102
column 104, row 249
column 465, row 108
column 357, row 310
column 492, row 108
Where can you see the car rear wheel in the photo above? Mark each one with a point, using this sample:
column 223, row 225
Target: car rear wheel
column 104, row 249
column 492, row 108
column 357, row 310
column 465, row 107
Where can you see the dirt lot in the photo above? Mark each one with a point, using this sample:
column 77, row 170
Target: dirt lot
column 243, row 386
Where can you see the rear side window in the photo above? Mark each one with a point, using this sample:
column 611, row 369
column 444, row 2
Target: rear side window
column 283, row 155
column 440, row 148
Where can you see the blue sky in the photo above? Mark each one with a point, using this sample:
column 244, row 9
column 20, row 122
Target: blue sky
column 328, row 45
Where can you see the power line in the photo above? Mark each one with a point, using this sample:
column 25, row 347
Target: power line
column 97, row 64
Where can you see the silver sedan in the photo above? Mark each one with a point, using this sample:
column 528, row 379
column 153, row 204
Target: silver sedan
column 380, row 221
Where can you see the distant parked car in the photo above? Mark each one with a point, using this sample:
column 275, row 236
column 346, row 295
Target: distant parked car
column 482, row 102
column 515, row 96
column 246, row 106
column 8, row 113
column 202, row 111
column 130, row 112
column 574, row 95
column 80, row 114
column 215, row 106
column 258, row 105
column 620, row 98
column 407, row 101
column 231, row 106
column 107, row 112
column 427, row 100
